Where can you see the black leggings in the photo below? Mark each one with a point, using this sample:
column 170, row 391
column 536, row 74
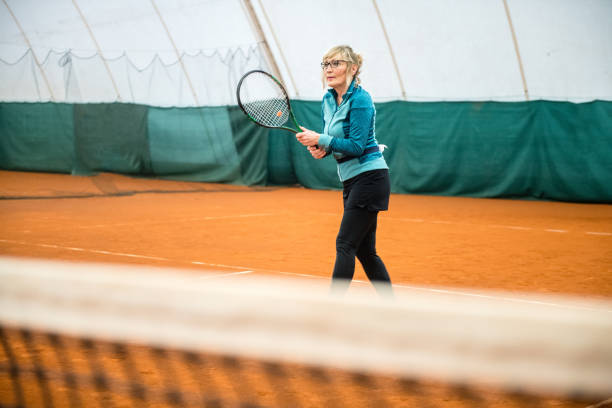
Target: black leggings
column 357, row 237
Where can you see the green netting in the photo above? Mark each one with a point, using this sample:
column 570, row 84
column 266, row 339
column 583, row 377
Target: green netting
column 193, row 144
column 574, row 151
column 36, row 137
column 473, row 149
column 538, row 149
column 290, row 162
column 251, row 143
column 111, row 137
column 280, row 166
column 215, row 144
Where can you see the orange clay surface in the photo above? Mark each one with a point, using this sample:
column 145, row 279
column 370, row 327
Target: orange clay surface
column 516, row 246
column 530, row 246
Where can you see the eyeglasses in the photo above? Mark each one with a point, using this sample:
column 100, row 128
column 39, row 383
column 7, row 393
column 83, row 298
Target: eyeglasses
column 332, row 63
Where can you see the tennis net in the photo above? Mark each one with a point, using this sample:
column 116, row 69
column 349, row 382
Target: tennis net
column 83, row 335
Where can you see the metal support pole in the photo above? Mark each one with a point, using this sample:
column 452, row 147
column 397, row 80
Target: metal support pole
column 280, row 50
column 516, row 49
column 384, row 29
column 261, row 38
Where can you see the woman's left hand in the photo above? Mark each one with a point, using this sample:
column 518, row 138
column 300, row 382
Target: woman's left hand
column 307, row 137
column 317, row 152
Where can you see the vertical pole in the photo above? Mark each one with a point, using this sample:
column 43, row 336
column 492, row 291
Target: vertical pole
column 280, row 50
column 25, row 37
column 93, row 38
column 384, row 29
column 261, row 38
column 516, row 49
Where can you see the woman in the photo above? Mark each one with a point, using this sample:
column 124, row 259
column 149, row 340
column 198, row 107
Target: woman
column 348, row 133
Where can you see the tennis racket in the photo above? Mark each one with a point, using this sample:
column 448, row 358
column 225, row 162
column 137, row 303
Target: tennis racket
column 265, row 101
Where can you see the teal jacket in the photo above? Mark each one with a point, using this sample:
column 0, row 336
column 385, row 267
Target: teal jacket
column 349, row 132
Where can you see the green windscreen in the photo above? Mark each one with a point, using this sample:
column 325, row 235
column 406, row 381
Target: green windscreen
column 535, row 150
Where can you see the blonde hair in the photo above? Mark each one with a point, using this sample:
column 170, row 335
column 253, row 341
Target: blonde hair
column 347, row 54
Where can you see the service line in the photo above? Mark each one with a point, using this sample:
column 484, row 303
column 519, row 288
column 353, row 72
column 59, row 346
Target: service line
column 172, row 221
column 122, row 254
column 509, row 227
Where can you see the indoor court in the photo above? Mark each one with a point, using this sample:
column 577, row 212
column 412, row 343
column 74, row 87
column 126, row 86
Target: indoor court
column 185, row 184
column 540, row 257
column 510, row 245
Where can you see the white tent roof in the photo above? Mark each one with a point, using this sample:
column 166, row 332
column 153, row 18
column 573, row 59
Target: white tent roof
column 127, row 50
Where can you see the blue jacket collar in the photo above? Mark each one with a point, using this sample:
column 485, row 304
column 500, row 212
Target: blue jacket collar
column 349, row 91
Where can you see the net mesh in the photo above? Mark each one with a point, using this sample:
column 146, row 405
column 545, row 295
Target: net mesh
column 206, row 78
column 90, row 335
column 263, row 100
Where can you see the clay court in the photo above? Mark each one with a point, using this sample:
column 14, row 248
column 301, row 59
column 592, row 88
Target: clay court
column 155, row 188
column 510, row 245
column 432, row 244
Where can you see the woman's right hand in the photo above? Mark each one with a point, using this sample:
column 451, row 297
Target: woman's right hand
column 317, row 152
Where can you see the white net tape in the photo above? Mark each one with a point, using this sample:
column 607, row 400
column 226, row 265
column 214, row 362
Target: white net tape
column 559, row 345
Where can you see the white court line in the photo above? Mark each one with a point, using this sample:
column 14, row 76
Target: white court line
column 97, row 251
column 246, row 270
column 213, row 264
column 224, row 275
column 208, row 218
column 303, row 275
column 461, row 293
column 512, row 227
column 504, row 298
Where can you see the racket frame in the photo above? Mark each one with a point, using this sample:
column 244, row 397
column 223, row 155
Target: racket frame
column 280, row 85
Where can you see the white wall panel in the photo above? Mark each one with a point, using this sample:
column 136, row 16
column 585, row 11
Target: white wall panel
column 445, row 49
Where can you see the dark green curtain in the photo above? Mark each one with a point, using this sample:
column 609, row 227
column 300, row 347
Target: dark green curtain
column 539, row 149
column 533, row 150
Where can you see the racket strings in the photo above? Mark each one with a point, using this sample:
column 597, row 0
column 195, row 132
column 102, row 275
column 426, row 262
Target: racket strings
column 272, row 112
column 264, row 101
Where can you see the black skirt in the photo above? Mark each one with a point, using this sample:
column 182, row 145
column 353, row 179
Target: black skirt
column 369, row 190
